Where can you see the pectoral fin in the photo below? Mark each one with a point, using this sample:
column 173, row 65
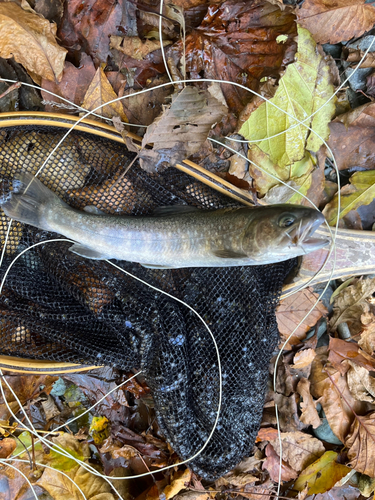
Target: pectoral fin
column 87, row 252
column 229, row 254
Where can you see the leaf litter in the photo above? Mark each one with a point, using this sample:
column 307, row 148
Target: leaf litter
column 242, row 45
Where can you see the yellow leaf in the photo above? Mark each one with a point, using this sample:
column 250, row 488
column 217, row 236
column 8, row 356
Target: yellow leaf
column 30, row 39
column 322, row 475
column 360, row 191
column 134, row 47
column 177, row 484
column 304, row 88
column 99, row 92
column 99, row 429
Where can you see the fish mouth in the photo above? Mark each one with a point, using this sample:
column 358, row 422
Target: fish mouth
column 302, row 234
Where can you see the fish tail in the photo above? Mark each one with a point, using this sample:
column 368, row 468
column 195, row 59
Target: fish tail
column 29, row 201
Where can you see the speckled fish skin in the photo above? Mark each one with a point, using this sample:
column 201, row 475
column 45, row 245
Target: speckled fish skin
column 176, row 237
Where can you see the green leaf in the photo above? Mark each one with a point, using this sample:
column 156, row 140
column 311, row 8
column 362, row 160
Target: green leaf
column 304, row 88
column 360, row 191
column 321, row 475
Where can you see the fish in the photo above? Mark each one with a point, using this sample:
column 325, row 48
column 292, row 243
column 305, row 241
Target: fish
column 172, row 237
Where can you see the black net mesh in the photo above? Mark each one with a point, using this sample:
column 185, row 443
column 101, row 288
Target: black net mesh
column 58, row 306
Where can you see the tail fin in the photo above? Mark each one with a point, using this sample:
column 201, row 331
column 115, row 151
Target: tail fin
column 29, row 201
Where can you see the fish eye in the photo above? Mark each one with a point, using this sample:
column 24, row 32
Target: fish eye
column 286, row 220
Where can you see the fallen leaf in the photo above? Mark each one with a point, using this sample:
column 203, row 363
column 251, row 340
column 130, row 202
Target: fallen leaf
column 49, row 407
column 79, row 450
column 361, row 444
column 305, row 87
column 72, row 86
column 272, row 465
column 181, row 129
column 99, row 429
column 367, row 339
column 293, row 309
column 322, row 475
column 179, row 482
column 303, row 358
column 332, row 21
column 298, row 449
column 61, row 488
column 360, row 383
column 352, row 138
column 134, row 47
column 351, row 303
column 99, row 92
column 288, row 412
column 340, row 350
column 337, row 402
column 237, row 480
column 31, row 40
column 7, row 447
column 236, row 41
column 50, row 9
column 88, row 26
column 360, row 191
column 267, row 434
column 309, row 413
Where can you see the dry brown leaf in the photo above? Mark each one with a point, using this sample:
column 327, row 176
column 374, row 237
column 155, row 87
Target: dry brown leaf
column 134, row 47
column 360, row 383
column 237, row 480
column 288, row 412
column 338, row 404
column 181, row 129
column 361, row 444
column 7, row 447
column 299, row 449
column 267, row 434
column 272, row 465
column 309, row 414
column 31, row 40
column 179, row 482
column 291, row 311
column 303, row 358
column 332, row 21
column 341, row 351
column 351, row 303
column 99, row 92
column 367, row 339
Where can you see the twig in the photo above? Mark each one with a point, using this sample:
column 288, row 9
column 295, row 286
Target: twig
column 10, row 89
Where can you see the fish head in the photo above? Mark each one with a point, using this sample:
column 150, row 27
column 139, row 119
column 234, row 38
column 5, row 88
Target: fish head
column 281, row 232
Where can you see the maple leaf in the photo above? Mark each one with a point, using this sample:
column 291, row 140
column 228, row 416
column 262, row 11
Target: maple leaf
column 31, row 40
column 305, row 87
column 322, row 475
column 99, row 92
column 332, row 21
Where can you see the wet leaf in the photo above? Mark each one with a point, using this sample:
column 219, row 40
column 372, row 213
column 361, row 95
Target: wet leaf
column 31, row 40
column 181, row 129
column 89, row 25
column 236, row 41
column 99, row 429
column 309, row 414
column 99, row 92
column 322, row 475
column 332, row 21
column 305, row 87
column 291, row 311
column 298, row 449
column 134, row 47
column 73, row 85
column 361, row 444
column 272, row 465
column 351, row 303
